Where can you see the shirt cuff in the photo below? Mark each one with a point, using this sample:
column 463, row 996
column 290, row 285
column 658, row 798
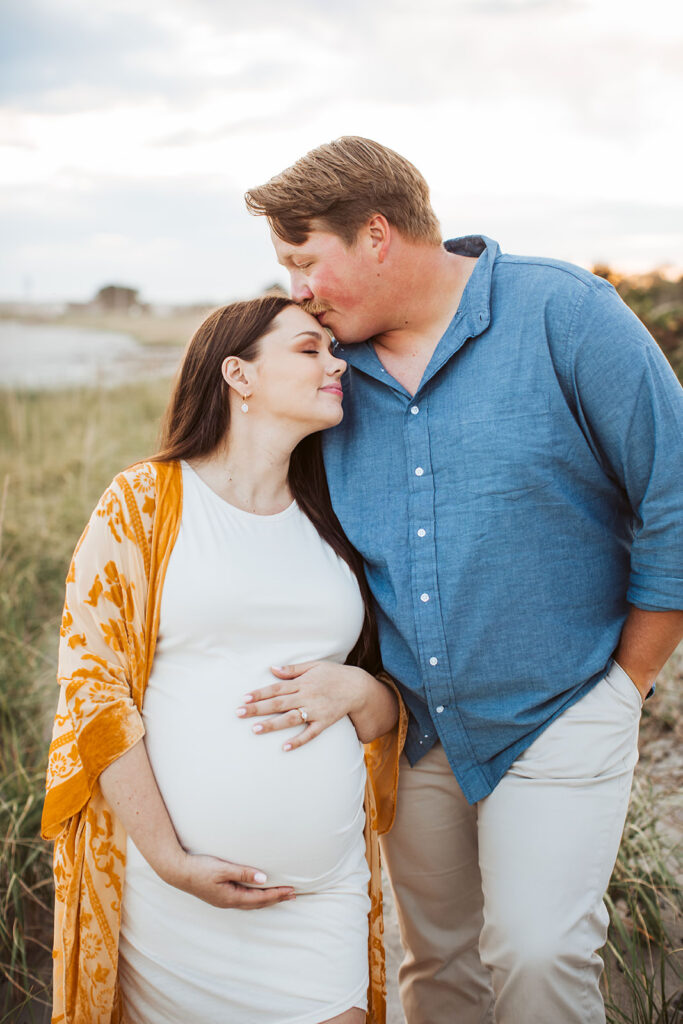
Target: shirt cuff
column 654, row 593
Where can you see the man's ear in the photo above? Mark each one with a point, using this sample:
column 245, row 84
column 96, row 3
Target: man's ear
column 379, row 233
column 239, row 375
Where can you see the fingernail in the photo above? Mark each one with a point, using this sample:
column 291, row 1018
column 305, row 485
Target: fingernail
column 241, row 711
column 260, row 877
column 278, row 668
column 248, row 699
column 258, row 728
column 287, row 746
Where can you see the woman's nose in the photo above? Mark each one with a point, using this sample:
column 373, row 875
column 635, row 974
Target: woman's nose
column 337, row 366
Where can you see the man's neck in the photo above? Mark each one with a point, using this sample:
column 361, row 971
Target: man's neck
column 428, row 294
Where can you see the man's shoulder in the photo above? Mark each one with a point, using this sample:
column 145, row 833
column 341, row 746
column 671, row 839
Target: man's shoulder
column 551, row 272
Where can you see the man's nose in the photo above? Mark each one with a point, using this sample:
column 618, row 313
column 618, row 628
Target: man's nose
column 299, row 289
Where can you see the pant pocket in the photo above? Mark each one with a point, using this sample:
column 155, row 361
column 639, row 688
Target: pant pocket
column 623, row 685
column 597, row 737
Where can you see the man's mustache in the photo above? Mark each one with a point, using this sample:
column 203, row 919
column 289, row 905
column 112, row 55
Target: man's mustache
column 313, row 307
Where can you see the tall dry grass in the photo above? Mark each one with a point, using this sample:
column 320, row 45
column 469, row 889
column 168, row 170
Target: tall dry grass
column 57, row 453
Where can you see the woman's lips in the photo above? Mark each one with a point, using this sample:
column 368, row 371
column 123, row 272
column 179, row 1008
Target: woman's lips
column 334, row 388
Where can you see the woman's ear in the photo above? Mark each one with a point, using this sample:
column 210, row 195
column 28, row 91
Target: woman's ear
column 238, row 375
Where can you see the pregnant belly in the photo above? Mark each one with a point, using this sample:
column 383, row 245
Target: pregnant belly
column 298, row 815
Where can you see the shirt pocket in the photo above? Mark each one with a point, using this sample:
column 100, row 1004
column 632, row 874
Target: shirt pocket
column 504, row 451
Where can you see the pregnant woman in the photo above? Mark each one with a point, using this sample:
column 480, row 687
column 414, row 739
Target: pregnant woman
column 218, row 669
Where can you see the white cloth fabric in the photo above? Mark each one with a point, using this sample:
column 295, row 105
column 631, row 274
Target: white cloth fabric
column 501, row 903
column 244, row 592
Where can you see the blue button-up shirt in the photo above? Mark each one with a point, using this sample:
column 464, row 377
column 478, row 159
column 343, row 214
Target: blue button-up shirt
column 510, row 509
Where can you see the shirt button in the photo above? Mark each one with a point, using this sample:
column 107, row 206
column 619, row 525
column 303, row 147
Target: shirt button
column 415, row 409
column 419, row 471
column 433, row 661
column 424, row 597
column 421, row 532
column 439, row 709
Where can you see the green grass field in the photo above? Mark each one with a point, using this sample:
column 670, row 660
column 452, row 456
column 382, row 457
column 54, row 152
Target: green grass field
column 57, row 453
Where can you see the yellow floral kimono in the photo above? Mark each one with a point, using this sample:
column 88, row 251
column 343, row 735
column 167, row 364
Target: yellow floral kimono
column 108, row 636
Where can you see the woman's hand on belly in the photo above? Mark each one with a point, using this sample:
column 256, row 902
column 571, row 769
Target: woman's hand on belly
column 224, row 884
column 317, row 694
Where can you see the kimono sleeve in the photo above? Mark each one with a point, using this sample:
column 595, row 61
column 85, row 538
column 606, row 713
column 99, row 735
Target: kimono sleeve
column 381, row 760
column 101, row 654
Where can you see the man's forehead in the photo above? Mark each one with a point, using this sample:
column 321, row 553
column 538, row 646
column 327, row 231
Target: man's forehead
column 317, row 239
column 282, row 248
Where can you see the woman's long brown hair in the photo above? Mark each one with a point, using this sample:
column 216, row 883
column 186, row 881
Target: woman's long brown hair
column 197, row 421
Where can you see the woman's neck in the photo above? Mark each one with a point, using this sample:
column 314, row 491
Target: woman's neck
column 249, row 470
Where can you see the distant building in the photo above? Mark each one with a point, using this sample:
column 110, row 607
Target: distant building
column 117, row 297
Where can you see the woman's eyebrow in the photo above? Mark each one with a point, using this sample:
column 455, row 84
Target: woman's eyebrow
column 313, row 334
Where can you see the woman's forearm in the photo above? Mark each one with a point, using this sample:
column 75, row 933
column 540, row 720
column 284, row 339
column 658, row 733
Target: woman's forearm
column 131, row 790
column 375, row 709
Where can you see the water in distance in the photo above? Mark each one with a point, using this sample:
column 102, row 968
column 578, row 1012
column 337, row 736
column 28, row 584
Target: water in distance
column 48, row 356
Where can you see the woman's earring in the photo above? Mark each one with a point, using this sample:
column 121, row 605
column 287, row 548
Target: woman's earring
column 244, row 407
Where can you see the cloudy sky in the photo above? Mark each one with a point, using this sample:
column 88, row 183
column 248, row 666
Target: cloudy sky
column 129, row 132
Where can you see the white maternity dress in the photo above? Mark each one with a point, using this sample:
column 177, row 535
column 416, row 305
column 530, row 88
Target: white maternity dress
column 244, row 592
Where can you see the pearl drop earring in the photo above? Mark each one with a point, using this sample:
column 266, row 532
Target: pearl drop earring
column 244, row 407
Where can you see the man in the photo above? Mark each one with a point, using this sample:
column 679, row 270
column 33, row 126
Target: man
column 509, row 466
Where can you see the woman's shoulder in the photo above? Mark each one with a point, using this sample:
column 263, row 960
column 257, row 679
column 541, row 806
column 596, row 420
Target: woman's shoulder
column 140, row 478
column 132, row 488
column 127, row 507
column 121, row 526
column 141, row 481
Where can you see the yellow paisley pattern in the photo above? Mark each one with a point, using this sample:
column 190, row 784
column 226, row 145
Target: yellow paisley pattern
column 107, row 640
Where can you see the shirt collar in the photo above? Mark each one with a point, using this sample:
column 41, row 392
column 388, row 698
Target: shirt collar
column 472, row 318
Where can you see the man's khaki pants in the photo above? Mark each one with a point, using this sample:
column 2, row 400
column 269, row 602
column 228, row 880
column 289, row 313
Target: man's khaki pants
column 500, row 904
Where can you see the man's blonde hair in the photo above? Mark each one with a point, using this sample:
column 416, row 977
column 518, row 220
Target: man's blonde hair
column 340, row 185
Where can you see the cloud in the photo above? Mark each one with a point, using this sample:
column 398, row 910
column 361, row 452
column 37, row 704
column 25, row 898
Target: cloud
column 80, row 55
column 49, row 53
column 630, row 236
column 175, row 241
column 130, row 131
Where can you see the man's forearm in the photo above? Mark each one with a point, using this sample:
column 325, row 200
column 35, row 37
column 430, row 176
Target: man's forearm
column 647, row 640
